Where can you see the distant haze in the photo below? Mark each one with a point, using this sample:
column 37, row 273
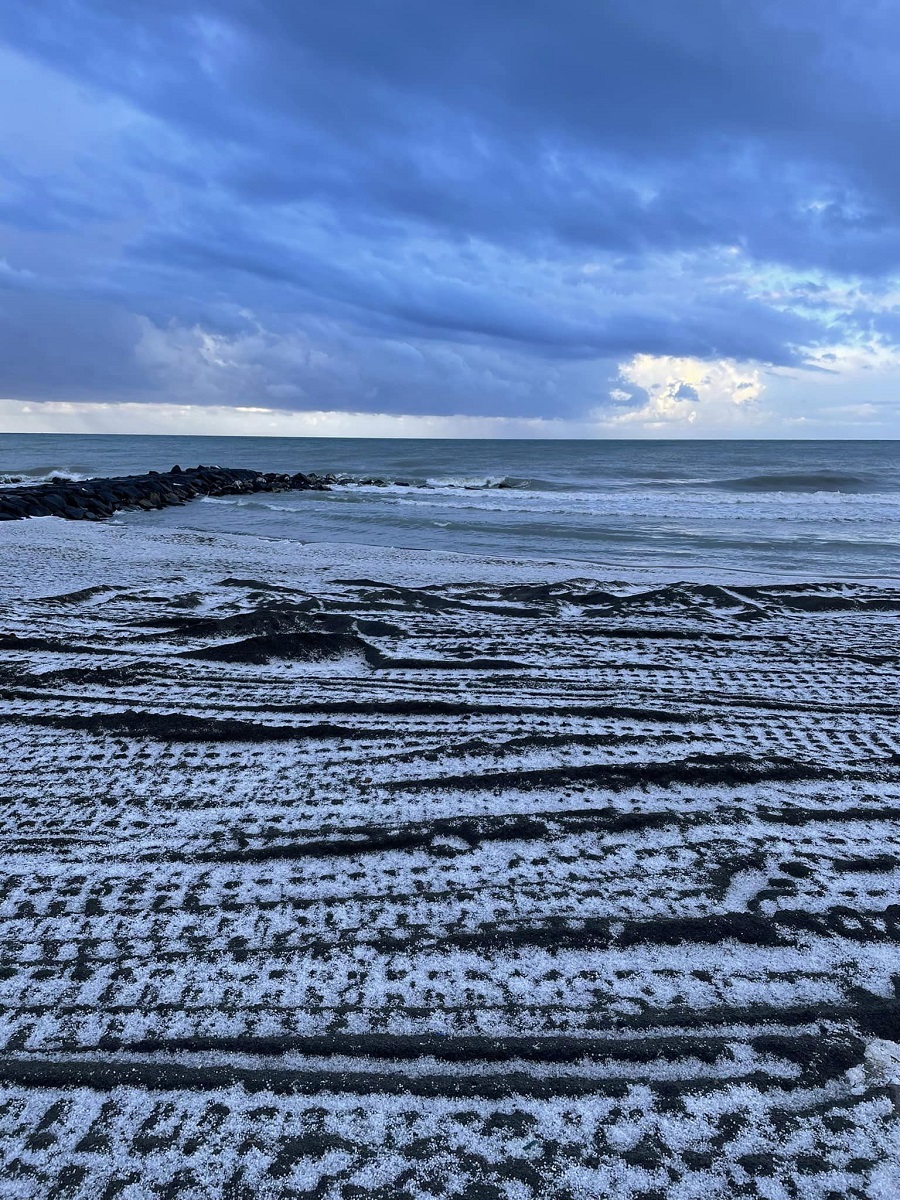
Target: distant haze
column 584, row 218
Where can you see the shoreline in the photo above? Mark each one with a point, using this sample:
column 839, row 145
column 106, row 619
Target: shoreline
column 117, row 549
column 648, row 513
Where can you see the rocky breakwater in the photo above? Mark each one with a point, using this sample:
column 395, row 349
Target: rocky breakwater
column 96, row 499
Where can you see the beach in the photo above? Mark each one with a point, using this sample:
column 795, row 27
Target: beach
column 449, row 600
column 336, row 870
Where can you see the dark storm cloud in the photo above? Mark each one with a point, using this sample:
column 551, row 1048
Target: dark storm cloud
column 52, row 347
column 523, row 180
column 408, row 298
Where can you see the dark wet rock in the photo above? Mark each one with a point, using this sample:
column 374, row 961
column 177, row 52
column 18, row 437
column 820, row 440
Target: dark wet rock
column 95, row 499
column 15, row 505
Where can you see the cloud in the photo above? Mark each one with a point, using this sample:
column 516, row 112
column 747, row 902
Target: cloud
column 665, row 394
column 478, row 209
column 57, row 346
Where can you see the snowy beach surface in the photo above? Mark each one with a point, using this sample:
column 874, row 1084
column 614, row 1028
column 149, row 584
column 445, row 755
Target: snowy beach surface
column 341, row 872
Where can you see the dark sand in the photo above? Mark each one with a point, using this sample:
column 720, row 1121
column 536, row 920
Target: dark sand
column 315, row 885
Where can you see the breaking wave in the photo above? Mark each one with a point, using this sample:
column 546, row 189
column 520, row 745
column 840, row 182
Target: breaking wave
column 41, row 475
column 468, row 483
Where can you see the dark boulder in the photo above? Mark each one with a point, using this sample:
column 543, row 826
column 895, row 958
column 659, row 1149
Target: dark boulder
column 95, row 499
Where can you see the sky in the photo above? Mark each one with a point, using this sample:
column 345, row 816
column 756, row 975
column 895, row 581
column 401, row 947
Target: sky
column 524, row 218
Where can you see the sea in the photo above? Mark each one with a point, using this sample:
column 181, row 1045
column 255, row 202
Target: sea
column 678, row 509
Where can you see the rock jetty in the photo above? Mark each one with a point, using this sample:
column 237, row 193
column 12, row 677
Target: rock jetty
column 96, row 499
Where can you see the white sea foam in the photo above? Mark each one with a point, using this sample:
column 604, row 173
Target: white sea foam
column 40, row 475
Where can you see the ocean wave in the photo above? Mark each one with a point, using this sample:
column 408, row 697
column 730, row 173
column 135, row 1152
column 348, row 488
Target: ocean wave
column 254, row 500
column 798, row 509
column 839, row 482
column 790, row 481
column 468, row 483
column 34, row 475
column 477, row 483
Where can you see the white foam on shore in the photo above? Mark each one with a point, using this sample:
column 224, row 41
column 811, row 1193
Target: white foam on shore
column 46, row 555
